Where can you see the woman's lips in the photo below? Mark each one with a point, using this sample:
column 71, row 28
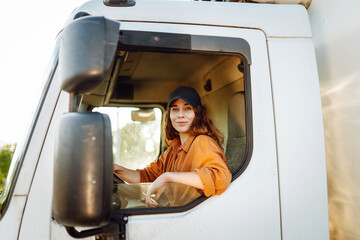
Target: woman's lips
column 181, row 123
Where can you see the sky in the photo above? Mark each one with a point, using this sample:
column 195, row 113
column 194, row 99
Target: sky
column 28, row 30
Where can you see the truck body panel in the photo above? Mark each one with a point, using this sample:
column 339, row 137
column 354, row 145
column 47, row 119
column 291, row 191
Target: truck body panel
column 274, row 20
column 282, row 193
column 294, row 84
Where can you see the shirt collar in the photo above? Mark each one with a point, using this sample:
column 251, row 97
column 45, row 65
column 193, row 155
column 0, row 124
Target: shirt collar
column 175, row 143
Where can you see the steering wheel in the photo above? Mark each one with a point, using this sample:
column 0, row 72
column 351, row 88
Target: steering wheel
column 116, row 201
column 117, row 179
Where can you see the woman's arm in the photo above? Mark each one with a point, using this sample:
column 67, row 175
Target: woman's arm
column 128, row 175
column 187, row 178
column 210, row 165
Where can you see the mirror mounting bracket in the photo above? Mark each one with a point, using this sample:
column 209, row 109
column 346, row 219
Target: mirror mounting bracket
column 113, row 230
column 74, row 103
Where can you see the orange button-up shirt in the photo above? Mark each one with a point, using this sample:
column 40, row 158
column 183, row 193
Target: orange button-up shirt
column 200, row 154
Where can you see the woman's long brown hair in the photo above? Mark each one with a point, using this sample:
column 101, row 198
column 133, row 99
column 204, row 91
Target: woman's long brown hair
column 202, row 125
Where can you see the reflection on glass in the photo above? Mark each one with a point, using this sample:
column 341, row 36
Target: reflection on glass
column 130, row 196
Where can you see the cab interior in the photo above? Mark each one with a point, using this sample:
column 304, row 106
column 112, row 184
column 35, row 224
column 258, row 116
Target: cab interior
column 145, row 79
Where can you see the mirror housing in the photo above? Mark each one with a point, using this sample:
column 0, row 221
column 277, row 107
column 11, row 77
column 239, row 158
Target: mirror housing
column 83, row 170
column 87, row 50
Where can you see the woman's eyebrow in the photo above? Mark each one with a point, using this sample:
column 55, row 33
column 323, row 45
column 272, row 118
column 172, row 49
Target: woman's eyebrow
column 174, row 105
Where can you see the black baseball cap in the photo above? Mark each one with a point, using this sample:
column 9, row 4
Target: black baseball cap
column 187, row 94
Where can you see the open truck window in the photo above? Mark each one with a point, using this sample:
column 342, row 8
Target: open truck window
column 135, row 103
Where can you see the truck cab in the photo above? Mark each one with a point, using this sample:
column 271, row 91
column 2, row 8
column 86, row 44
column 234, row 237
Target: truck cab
column 113, row 68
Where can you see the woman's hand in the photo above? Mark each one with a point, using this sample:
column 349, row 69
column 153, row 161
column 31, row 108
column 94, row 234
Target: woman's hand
column 116, row 167
column 157, row 188
column 128, row 175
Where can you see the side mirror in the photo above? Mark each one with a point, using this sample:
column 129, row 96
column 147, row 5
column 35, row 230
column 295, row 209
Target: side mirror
column 87, row 49
column 83, row 170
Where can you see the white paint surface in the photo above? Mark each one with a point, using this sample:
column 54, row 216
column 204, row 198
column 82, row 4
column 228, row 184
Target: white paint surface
column 300, row 139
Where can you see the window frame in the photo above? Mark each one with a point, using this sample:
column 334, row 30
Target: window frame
column 192, row 44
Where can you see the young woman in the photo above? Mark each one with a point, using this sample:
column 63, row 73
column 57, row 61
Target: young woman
column 194, row 156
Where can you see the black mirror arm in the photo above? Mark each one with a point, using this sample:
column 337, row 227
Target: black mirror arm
column 74, row 103
column 114, row 230
column 86, row 233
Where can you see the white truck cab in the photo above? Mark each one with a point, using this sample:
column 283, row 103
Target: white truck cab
column 114, row 65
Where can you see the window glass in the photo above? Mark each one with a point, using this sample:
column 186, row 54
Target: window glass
column 131, row 196
column 136, row 135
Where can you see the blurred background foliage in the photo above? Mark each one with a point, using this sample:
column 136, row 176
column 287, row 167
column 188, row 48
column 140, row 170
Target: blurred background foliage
column 6, row 153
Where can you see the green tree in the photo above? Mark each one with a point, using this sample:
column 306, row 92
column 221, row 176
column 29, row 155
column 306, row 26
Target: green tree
column 6, row 153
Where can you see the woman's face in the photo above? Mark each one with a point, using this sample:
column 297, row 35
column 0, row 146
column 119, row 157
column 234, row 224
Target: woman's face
column 181, row 115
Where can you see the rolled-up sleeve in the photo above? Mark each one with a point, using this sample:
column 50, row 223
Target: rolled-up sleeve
column 210, row 165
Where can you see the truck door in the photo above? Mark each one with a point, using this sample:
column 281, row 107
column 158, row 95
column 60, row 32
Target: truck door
column 249, row 208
